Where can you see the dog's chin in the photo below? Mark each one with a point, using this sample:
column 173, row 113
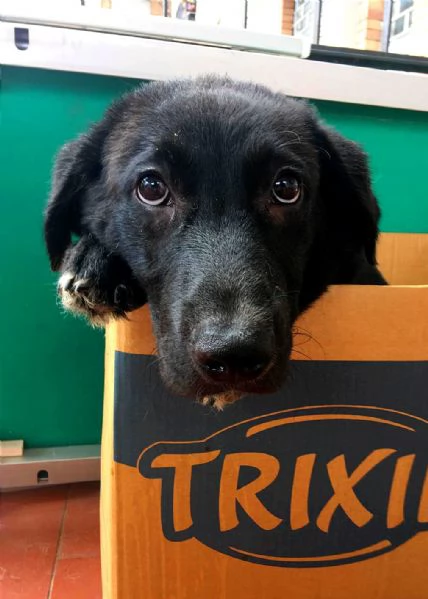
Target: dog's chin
column 218, row 396
column 219, row 401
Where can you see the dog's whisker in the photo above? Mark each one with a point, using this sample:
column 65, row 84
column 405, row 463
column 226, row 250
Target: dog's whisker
column 324, row 151
column 300, row 353
column 286, row 294
column 300, row 332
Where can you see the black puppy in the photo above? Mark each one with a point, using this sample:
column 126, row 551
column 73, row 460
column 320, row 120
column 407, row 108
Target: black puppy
column 229, row 208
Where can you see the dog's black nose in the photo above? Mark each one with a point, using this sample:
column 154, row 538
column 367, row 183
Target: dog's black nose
column 229, row 368
column 232, row 357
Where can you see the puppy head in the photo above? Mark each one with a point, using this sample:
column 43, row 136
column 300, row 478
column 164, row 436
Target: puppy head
column 233, row 207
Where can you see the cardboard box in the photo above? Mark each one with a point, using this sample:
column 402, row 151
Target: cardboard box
column 319, row 491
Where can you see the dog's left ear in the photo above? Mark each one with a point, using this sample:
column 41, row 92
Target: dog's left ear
column 350, row 205
column 77, row 165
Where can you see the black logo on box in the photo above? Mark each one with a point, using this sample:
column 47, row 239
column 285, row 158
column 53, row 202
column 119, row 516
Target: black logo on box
column 305, row 487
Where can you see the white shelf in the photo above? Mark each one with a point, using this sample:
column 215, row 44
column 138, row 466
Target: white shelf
column 113, row 49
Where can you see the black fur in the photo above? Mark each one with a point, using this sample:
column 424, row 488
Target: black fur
column 221, row 265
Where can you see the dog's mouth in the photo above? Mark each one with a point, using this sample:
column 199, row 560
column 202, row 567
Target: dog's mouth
column 219, row 401
column 221, row 382
column 219, row 396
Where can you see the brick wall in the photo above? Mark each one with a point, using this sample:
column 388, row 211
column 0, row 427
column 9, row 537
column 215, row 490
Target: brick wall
column 374, row 26
column 156, row 8
column 369, row 26
column 287, row 16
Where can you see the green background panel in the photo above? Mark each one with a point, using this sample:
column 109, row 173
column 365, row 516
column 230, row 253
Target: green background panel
column 51, row 365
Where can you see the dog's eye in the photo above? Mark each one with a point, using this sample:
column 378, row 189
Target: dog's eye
column 151, row 190
column 286, row 188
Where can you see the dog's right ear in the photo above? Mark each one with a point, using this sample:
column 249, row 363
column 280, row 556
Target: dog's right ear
column 77, row 165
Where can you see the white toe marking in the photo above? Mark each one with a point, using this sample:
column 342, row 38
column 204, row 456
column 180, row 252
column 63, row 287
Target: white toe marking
column 77, row 299
column 68, row 300
column 65, row 280
column 80, row 283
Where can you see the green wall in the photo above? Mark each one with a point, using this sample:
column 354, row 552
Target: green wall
column 51, row 365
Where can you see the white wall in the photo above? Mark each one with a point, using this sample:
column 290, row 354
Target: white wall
column 143, row 6
column 415, row 40
column 265, row 16
column 339, row 22
column 227, row 13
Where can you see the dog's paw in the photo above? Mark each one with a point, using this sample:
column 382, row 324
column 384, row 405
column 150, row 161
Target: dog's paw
column 84, row 296
column 97, row 284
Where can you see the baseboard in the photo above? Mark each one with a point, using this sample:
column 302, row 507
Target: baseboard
column 50, row 466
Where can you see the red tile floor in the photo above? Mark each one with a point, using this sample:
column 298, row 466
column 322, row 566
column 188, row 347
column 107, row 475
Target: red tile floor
column 49, row 543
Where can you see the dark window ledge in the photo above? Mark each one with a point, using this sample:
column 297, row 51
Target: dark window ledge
column 366, row 58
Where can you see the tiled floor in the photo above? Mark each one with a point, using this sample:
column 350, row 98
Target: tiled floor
column 49, row 543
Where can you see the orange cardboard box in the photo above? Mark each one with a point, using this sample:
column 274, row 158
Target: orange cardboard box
column 317, row 492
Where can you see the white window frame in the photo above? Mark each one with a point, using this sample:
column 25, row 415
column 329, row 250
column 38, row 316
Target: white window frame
column 398, row 14
column 307, row 10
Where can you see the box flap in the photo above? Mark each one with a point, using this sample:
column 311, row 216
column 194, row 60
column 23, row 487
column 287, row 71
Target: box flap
column 347, row 323
column 403, row 258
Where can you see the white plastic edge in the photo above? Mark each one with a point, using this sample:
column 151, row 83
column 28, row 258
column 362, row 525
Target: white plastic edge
column 59, row 465
column 137, row 25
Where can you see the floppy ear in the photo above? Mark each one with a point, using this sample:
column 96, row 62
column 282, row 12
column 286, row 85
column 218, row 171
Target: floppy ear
column 351, row 208
column 77, row 165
